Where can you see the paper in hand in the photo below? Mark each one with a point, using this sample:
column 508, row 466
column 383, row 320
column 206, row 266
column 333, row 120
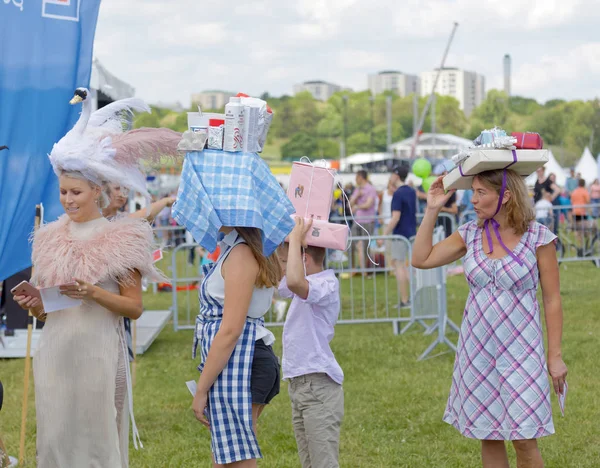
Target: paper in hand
column 562, row 397
column 53, row 300
column 191, row 385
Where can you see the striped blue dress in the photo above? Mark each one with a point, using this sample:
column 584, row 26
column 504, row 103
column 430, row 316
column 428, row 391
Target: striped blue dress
column 230, row 398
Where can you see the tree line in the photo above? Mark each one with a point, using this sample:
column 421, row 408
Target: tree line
column 305, row 126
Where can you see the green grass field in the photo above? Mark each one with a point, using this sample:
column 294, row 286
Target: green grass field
column 394, row 404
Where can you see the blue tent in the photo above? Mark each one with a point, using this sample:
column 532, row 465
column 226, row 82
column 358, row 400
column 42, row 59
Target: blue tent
column 45, row 53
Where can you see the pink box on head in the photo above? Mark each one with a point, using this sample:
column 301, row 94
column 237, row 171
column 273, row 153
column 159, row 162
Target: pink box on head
column 327, row 235
column 311, row 191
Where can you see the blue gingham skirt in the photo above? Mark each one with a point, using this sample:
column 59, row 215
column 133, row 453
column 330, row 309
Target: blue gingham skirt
column 230, row 397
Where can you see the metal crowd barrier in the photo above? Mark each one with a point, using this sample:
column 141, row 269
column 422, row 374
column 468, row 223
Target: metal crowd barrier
column 169, row 237
column 430, row 287
column 577, row 229
column 443, row 219
column 367, row 295
column 371, row 294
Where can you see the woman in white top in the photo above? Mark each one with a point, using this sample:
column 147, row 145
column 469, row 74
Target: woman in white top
column 240, row 372
column 385, row 208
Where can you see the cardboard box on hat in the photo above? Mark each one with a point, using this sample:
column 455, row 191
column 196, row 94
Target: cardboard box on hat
column 311, row 190
column 480, row 160
column 327, row 235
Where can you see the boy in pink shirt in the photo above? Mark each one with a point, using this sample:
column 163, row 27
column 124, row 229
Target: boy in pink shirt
column 314, row 376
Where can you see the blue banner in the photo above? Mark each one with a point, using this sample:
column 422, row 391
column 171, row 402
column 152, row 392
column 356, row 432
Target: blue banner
column 45, row 53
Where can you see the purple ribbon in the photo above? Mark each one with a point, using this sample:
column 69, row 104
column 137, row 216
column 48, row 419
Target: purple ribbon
column 495, row 224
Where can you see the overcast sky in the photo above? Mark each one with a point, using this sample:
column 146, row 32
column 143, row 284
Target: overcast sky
column 170, row 49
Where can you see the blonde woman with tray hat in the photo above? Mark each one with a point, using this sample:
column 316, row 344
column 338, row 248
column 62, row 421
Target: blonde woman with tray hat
column 500, row 389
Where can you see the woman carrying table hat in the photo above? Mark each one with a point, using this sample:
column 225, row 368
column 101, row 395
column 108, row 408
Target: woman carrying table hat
column 233, row 198
column 500, row 389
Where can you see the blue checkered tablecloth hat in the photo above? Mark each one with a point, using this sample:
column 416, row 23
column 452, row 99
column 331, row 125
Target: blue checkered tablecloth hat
column 231, row 189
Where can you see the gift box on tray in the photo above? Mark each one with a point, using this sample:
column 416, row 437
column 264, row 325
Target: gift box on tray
column 528, row 140
column 480, row 160
column 311, row 190
column 327, row 235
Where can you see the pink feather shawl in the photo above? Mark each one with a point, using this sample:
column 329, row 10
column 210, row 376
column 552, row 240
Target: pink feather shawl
column 119, row 248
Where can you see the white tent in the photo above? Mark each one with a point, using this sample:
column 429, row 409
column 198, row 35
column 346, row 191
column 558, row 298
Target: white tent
column 432, row 145
column 379, row 180
column 106, row 87
column 552, row 167
column 587, row 167
column 363, row 158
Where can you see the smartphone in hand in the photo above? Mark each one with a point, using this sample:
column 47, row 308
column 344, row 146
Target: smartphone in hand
column 25, row 288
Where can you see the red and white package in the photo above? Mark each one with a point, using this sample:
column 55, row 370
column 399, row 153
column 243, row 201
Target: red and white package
column 528, row 140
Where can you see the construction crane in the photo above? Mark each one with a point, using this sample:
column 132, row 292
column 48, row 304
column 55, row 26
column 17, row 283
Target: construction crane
column 418, row 131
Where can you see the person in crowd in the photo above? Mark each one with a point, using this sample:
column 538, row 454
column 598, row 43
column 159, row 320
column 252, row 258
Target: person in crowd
column 579, row 198
column 450, row 208
column 336, row 214
column 309, row 365
column 548, row 183
column 348, row 191
column 421, row 199
column 544, row 209
column 162, row 222
column 118, row 197
column 378, row 196
column 595, row 198
column 555, row 202
column 499, row 393
column 206, row 260
column 466, row 208
column 572, row 182
column 385, row 208
column 564, row 199
column 189, row 239
column 544, row 183
column 363, row 203
column 402, row 223
column 82, row 381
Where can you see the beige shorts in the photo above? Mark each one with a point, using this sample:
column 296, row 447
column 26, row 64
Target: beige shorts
column 358, row 232
column 317, row 414
column 399, row 250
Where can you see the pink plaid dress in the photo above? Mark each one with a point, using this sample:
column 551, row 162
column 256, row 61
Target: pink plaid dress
column 500, row 388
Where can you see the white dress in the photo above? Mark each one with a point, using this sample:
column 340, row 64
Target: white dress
column 81, row 383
